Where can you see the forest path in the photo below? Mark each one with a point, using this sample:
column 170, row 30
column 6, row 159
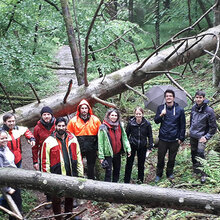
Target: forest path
column 64, row 58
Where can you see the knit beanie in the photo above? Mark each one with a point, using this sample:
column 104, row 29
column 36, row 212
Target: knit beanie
column 46, row 109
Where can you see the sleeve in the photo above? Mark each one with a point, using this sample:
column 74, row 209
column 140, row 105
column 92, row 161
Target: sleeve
column 35, row 148
column 211, row 124
column 101, row 135
column 150, row 137
column 45, row 157
column 70, row 127
column 182, row 126
column 158, row 119
column 126, row 144
column 29, row 135
column 80, row 169
column 1, row 161
column 128, row 129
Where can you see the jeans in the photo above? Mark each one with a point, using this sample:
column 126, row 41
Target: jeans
column 163, row 147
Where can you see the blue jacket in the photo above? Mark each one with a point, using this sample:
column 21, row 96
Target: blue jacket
column 202, row 121
column 173, row 124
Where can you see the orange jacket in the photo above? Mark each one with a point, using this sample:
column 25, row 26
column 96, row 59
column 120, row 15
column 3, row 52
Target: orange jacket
column 86, row 132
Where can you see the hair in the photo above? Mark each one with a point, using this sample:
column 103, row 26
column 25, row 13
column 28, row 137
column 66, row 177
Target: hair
column 200, row 93
column 7, row 116
column 2, row 131
column 112, row 110
column 139, row 108
column 60, row 119
column 169, row 91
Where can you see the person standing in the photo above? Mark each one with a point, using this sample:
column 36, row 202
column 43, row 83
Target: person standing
column 112, row 140
column 202, row 128
column 14, row 136
column 60, row 154
column 7, row 160
column 171, row 134
column 139, row 134
column 44, row 128
column 85, row 126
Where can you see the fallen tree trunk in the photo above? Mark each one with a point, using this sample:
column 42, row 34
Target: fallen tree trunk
column 149, row 196
column 114, row 83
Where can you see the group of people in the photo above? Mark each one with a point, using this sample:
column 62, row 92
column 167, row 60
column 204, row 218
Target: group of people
column 59, row 146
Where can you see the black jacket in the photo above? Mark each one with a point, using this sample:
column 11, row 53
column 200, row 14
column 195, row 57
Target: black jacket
column 173, row 124
column 202, row 121
column 138, row 133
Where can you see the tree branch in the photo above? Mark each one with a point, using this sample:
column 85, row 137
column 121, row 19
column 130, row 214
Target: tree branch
column 54, row 5
column 110, row 105
column 140, row 94
column 68, row 91
column 87, row 41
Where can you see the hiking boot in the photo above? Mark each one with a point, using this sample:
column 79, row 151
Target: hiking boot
column 157, row 179
column 171, row 177
column 203, row 179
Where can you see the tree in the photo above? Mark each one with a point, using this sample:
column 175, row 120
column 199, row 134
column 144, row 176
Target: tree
column 135, row 74
column 149, row 196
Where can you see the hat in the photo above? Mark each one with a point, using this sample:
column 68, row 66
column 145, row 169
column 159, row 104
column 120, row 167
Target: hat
column 46, row 109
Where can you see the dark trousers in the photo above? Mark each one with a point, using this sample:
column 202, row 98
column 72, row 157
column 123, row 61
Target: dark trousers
column 197, row 150
column 112, row 173
column 163, row 147
column 141, row 156
column 16, row 196
column 91, row 158
column 56, row 204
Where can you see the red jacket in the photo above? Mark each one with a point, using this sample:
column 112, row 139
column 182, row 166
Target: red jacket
column 14, row 140
column 54, row 160
column 40, row 134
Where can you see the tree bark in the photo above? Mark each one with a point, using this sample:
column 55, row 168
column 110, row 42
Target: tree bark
column 149, row 196
column 77, row 57
column 114, row 83
column 202, row 6
column 216, row 65
column 157, row 23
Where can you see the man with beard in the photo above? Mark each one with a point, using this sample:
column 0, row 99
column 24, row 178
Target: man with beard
column 61, row 155
column 85, row 126
column 202, row 128
column 45, row 126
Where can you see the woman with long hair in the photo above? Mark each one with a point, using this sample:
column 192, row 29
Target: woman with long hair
column 112, row 140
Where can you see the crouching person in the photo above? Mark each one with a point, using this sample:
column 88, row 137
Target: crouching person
column 61, row 155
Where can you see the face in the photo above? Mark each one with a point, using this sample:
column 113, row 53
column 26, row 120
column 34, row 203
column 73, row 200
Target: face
column 61, row 128
column 10, row 122
column 113, row 116
column 138, row 114
column 199, row 99
column 46, row 117
column 169, row 98
column 3, row 139
column 84, row 110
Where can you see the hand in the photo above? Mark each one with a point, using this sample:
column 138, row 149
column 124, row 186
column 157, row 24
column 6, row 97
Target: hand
column 32, row 143
column 203, row 139
column 101, row 161
column 163, row 112
column 129, row 154
column 11, row 191
column 180, row 142
column 36, row 166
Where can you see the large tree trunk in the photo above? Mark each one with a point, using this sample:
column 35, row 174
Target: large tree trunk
column 75, row 51
column 149, row 196
column 216, row 66
column 114, row 83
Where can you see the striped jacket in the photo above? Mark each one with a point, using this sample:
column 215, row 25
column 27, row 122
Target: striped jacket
column 61, row 156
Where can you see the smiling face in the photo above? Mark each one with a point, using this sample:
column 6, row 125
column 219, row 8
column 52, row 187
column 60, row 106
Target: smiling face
column 113, row 116
column 3, row 139
column 138, row 115
column 61, row 128
column 199, row 99
column 10, row 122
column 169, row 98
column 46, row 117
